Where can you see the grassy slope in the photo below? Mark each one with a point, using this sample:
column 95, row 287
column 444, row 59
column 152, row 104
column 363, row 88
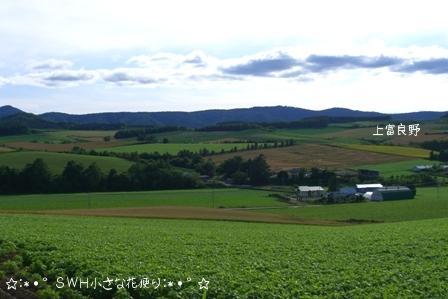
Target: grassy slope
column 246, row 260
column 57, row 161
column 429, row 203
column 397, row 168
column 194, row 198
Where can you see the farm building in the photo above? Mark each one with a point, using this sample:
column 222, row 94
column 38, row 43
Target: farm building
column 347, row 190
column 367, row 174
column 420, row 168
column 342, row 194
column 363, row 188
column 390, row 193
column 306, row 193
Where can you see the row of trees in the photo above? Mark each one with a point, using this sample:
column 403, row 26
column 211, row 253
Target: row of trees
column 142, row 133
column 37, row 178
column 8, row 129
column 440, row 156
column 252, row 171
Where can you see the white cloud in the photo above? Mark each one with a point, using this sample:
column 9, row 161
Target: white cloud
column 250, row 52
column 51, row 64
column 3, row 81
column 52, row 27
column 289, row 64
column 56, row 78
column 130, row 76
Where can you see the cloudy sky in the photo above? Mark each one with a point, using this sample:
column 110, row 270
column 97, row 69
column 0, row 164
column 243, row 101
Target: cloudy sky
column 90, row 56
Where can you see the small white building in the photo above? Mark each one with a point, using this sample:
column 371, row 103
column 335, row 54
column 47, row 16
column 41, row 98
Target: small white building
column 306, row 193
column 390, row 193
column 373, row 196
column 363, row 188
column 420, row 168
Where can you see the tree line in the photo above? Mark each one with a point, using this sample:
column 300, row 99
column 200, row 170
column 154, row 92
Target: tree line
column 36, row 177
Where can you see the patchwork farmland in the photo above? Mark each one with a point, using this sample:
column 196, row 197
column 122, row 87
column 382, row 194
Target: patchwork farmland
column 248, row 240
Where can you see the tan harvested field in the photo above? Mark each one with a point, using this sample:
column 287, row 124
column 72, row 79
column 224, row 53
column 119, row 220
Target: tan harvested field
column 170, row 212
column 314, row 155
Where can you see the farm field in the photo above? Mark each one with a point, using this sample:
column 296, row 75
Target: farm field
column 59, row 136
column 174, row 148
column 241, row 260
column 260, row 135
column 314, row 155
column 353, row 135
column 57, row 161
column 397, row 168
column 61, row 140
column 412, row 152
column 429, row 203
column 5, row 149
column 207, row 198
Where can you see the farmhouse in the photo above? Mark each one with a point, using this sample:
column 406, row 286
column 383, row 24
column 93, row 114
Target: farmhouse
column 363, row 188
column 420, row 168
column 342, row 195
column 389, row 193
column 308, row 193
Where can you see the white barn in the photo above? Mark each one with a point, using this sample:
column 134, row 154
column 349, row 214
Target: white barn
column 363, row 188
column 305, row 193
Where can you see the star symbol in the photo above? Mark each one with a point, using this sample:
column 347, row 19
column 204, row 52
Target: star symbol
column 170, row 283
column 26, row 284
column 11, row 284
column 203, row 284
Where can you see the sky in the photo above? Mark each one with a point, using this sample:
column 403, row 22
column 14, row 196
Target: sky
column 92, row 56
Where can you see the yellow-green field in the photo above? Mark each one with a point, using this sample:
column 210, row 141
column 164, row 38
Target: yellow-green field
column 404, row 151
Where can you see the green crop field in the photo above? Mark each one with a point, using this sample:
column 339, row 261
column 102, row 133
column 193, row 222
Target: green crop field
column 58, row 136
column 428, row 203
column 229, row 198
column 259, row 135
column 174, row 148
column 391, row 150
column 240, row 260
column 397, row 168
column 5, row 149
column 57, row 161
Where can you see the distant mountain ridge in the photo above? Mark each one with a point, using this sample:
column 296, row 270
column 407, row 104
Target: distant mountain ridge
column 206, row 117
column 203, row 118
column 8, row 110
